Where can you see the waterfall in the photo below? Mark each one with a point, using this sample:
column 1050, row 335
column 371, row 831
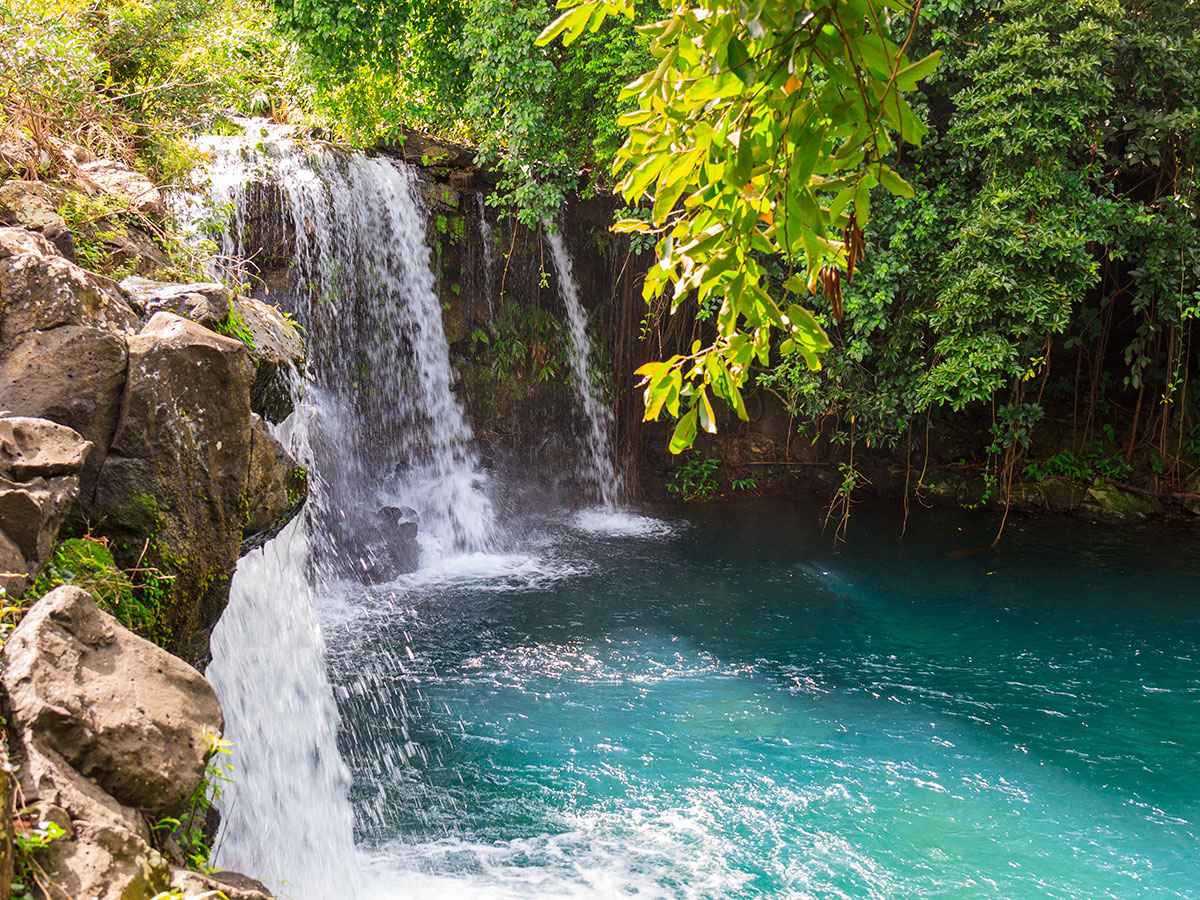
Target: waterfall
column 599, row 459
column 486, row 236
column 379, row 429
column 285, row 814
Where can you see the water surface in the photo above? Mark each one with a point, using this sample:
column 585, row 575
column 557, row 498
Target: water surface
column 727, row 705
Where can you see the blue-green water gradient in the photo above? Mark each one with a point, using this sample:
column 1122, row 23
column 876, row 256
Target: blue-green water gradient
column 738, row 708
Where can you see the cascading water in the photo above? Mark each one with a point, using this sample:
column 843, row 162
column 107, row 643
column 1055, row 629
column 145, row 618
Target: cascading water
column 599, row 466
column 380, row 431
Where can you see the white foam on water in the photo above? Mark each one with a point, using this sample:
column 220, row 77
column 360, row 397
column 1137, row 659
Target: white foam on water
column 613, row 522
column 491, row 572
column 671, row 853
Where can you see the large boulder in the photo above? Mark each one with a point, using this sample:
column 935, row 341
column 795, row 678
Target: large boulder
column 39, row 290
column 274, row 341
column 32, row 205
column 122, row 711
column 139, row 193
column 206, row 302
column 106, row 730
column 74, row 375
column 62, row 342
column 177, row 466
column 40, row 463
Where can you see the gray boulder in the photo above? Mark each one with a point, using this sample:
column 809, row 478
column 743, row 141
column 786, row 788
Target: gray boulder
column 205, row 302
column 74, row 375
column 119, row 710
column 110, row 177
column 40, row 290
column 177, row 466
column 277, row 351
column 105, row 729
column 31, row 204
column 40, row 463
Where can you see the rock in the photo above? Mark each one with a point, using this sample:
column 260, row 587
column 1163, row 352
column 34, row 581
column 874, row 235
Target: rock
column 105, row 863
column 134, row 248
column 378, row 545
column 31, row 204
column 119, row 710
column 37, row 448
column 205, row 302
column 40, row 290
column 278, row 350
column 115, row 179
column 1107, row 501
column 73, row 375
column 39, row 480
column 231, row 885
column 278, row 355
column 275, row 486
column 177, row 466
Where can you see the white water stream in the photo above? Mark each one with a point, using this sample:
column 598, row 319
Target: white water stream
column 599, row 468
column 378, row 426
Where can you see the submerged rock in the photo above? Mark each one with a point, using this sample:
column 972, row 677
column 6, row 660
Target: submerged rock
column 40, row 463
column 1107, row 501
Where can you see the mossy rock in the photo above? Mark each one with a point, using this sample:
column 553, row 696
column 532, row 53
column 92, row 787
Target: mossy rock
column 88, row 564
column 1106, row 500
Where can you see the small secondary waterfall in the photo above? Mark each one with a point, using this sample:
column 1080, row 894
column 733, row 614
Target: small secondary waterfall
column 380, row 430
column 599, row 462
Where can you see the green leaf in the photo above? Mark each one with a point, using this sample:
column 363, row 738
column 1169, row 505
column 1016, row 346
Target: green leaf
column 891, row 180
column 685, row 432
column 570, row 24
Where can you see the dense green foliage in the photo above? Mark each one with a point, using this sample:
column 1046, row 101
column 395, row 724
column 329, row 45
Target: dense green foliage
column 1047, row 270
column 471, row 71
column 129, row 78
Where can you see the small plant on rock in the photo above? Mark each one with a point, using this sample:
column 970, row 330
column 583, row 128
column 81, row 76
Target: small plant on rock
column 186, row 836
column 695, row 480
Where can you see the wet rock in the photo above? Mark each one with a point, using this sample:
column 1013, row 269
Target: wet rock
column 1107, row 501
column 40, row 463
column 110, row 177
column 276, row 487
column 32, row 205
column 177, row 466
column 119, row 710
column 278, row 355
